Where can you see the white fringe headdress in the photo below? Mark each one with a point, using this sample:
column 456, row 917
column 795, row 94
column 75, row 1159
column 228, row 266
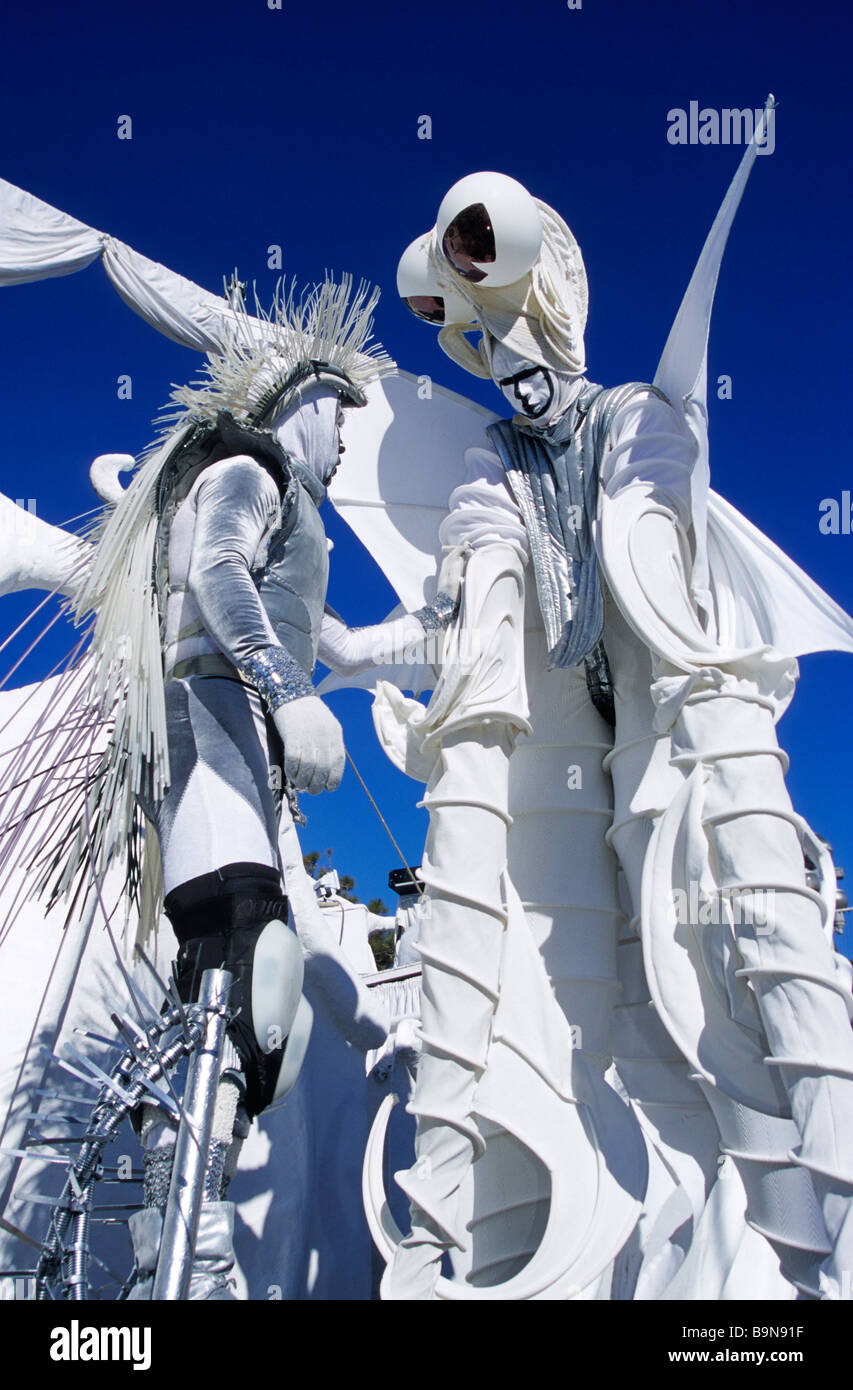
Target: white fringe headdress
column 259, row 371
column 542, row 316
column 252, row 375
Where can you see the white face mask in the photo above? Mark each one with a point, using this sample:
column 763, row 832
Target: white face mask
column 310, row 431
column 537, row 392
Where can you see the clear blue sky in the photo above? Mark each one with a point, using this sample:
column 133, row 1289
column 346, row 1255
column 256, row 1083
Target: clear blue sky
column 299, row 126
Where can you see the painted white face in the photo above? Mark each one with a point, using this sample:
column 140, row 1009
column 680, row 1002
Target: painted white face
column 538, row 392
column 528, row 387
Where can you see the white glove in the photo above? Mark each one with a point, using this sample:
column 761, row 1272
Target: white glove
column 452, row 569
column 314, row 754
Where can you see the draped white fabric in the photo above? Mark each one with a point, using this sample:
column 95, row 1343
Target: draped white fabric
column 38, row 241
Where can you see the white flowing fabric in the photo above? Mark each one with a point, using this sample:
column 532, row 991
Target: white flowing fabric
column 38, row 241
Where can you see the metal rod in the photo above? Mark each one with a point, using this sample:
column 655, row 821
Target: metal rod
column 183, row 1208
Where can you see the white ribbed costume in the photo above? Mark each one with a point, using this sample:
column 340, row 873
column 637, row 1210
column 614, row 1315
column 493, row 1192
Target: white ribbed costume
column 649, row 449
column 593, row 946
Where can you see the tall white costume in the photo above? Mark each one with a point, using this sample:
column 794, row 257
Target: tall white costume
column 684, row 886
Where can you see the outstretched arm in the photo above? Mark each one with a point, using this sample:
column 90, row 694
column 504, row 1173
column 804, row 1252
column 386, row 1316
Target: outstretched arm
column 482, row 512
column 350, row 650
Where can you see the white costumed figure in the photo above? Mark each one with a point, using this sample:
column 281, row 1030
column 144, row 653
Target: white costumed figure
column 224, row 514
column 605, row 784
column 205, row 584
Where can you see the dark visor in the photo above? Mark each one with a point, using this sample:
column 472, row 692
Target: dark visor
column 469, row 238
column 429, row 307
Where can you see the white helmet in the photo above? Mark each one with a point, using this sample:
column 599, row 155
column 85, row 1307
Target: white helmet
column 489, row 229
column 419, row 288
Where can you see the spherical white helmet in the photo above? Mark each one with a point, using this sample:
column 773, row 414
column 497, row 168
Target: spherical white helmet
column 419, row 288
column 489, row 229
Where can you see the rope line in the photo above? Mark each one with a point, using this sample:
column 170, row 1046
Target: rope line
column 385, row 826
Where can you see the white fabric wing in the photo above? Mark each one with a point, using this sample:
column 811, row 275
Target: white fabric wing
column 404, row 456
column 762, row 596
column 682, row 372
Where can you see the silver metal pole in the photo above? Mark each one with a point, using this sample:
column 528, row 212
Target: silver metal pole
column 186, row 1191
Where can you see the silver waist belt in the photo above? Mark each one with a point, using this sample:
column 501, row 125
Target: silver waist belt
column 206, row 664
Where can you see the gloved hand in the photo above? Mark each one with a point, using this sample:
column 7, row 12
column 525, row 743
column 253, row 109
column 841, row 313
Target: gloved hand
column 313, row 741
column 451, row 571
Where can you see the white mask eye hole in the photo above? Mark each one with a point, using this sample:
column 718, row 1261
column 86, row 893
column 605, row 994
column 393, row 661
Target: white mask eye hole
column 427, row 307
column 420, row 291
column 469, row 242
column 489, row 229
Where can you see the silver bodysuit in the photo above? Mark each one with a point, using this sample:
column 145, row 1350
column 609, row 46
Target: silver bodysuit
column 225, row 754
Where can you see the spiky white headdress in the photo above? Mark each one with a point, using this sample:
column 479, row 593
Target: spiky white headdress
column 326, row 331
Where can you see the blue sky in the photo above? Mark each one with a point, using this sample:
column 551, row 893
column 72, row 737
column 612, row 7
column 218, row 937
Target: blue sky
column 299, row 127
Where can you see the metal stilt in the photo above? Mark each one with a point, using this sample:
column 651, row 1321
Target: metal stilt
column 183, row 1209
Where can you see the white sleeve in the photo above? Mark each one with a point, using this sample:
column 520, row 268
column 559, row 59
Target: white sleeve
column 649, row 446
column 482, row 509
column 236, row 502
column 350, row 650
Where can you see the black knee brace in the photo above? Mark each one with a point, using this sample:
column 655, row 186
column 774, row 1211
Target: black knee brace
column 218, row 919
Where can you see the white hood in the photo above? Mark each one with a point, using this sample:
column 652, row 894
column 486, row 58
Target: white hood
column 308, row 431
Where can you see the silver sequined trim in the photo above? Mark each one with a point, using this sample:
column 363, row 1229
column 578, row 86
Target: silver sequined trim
column 158, row 1175
column 277, row 677
column 438, row 615
column 214, row 1179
